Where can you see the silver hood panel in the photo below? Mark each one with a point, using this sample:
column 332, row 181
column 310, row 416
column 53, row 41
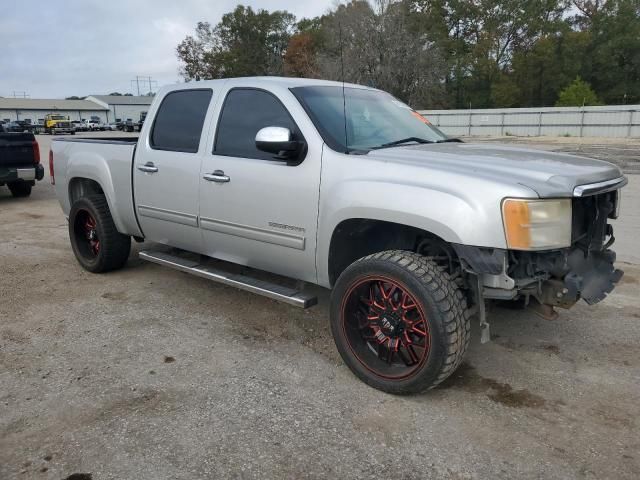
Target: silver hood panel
column 549, row 174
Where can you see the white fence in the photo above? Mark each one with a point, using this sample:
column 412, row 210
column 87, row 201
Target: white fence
column 606, row 121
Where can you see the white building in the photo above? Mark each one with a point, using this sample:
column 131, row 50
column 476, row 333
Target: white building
column 122, row 106
column 12, row 109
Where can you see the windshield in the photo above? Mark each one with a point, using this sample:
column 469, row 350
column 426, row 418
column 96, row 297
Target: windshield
column 375, row 119
column 57, row 117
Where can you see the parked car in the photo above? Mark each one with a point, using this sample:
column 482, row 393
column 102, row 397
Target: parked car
column 95, row 124
column 346, row 187
column 110, row 126
column 129, row 125
column 80, row 126
column 17, row 126
column 19, row 162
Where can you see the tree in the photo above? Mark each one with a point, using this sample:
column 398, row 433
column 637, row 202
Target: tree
column 377, row 48
column 115, row 94
column 481, row 38
column 615, row 51
column 74, row 97
column 300, row 57
column 245, row 42
column 436, row 53
column 577, row 94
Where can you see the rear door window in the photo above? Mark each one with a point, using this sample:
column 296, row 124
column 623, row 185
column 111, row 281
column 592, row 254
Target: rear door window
column 179, row 121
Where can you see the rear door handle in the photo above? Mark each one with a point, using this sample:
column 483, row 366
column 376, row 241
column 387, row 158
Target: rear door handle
column 148, row 167
column 218, row 176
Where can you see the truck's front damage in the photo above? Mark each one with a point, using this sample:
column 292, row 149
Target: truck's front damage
column 559, row 276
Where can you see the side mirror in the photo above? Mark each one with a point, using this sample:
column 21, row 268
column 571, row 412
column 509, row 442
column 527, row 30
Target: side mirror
column 279, row 141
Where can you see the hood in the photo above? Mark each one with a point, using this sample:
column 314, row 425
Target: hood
column 549, row 174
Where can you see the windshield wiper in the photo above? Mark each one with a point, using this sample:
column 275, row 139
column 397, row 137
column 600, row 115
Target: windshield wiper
column 452, row 140
column 401, row 141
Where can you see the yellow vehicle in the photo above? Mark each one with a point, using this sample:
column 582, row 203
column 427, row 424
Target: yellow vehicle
column 55, row 123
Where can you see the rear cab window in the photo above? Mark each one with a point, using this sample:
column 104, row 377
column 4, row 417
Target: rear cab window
column 179, row 121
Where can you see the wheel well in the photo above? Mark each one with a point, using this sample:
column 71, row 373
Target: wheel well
column 81, row 187
column 358, row 237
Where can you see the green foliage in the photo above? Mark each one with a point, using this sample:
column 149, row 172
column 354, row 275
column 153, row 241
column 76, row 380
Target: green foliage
column 245, row 42
column 578, row 94
column 437, row 53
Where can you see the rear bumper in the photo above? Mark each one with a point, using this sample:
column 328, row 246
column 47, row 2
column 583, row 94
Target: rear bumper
column 27, row 174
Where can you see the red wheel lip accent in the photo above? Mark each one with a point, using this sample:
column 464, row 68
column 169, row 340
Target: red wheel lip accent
column 402, row 286
column 89, row 224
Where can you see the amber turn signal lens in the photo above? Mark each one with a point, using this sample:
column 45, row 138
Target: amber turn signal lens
column 516, row 224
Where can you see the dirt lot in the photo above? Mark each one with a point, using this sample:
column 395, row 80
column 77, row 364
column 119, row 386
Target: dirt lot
column 147, row 373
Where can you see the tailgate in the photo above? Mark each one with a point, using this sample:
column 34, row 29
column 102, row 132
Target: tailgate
column 16, row 149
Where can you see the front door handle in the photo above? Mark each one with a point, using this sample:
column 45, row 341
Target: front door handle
column 218, row 176
column 148, row 167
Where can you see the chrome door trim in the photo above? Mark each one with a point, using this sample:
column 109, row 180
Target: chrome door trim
column 168, row 215
column 253, row 233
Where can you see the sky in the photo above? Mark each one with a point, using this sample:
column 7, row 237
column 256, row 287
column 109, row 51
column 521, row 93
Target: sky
column 56, row 49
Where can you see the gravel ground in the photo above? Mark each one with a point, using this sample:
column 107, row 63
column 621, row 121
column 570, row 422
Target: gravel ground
column 148, row 373
column 624, row 152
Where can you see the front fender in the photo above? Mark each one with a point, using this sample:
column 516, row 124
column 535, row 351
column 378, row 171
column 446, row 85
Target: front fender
column 468, row 218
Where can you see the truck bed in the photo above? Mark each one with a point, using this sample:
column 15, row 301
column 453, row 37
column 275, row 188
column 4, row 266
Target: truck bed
column 98, row 158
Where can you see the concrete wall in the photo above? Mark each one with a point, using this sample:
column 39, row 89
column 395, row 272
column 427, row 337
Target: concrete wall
column 605, row 121
column 34, row 115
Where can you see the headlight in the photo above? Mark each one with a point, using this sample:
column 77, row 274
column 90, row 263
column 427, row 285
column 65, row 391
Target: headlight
column 537, row 224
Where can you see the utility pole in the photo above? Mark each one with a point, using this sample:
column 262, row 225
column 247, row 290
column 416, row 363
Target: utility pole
column 144, row 80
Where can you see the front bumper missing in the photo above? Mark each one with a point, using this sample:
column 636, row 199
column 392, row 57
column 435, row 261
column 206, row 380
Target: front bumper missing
column 590, row 277
column 556, row 278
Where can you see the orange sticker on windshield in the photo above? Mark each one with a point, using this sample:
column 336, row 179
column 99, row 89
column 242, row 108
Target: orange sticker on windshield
column 420, row 117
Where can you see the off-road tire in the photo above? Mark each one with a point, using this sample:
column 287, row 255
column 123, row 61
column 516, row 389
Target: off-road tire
column 442, row 301
column 20, row 189
column 114, row 246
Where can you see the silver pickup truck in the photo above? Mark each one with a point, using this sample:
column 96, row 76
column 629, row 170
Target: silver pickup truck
column 345, row 187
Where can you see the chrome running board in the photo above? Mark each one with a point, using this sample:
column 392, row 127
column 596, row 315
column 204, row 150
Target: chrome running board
column 243, row 282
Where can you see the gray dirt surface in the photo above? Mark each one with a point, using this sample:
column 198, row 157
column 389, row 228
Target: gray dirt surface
column 624, row 152
column 148, row 373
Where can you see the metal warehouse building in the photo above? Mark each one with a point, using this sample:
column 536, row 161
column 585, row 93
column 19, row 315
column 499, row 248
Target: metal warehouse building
column 31, row 109
column 122, row 106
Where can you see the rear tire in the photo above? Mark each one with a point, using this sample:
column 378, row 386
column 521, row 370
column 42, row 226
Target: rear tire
column 96, row 242
column 400, row 324
column 20, row 189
